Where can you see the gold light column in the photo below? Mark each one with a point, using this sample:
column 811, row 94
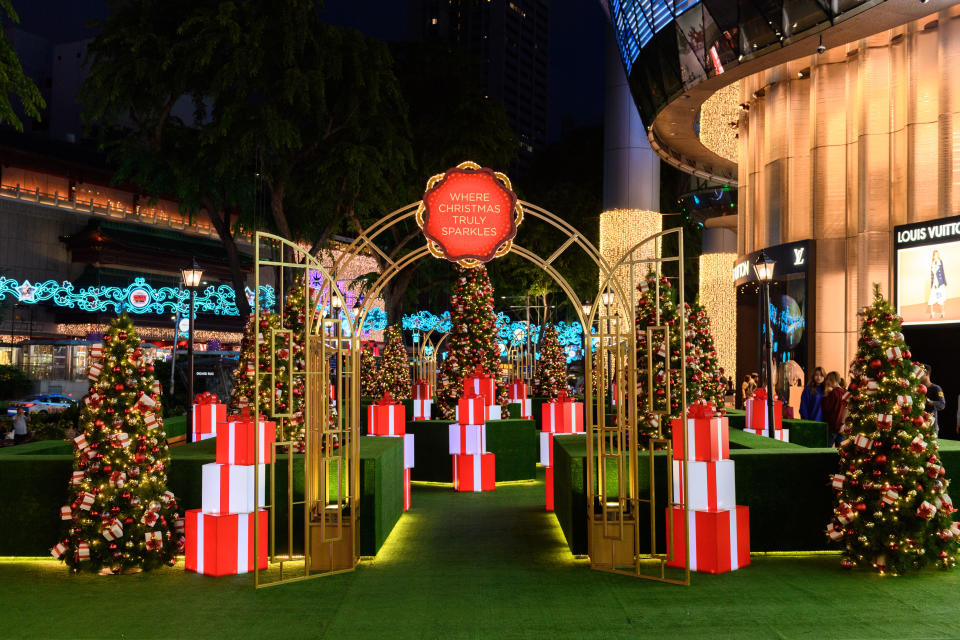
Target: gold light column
column 620, row 231
column 719, row 297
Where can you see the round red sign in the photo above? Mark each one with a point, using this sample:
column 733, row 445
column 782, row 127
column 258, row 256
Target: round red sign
column 469, row 214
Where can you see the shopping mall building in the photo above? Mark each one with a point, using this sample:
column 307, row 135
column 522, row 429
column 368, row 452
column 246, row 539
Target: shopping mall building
column 838, row 122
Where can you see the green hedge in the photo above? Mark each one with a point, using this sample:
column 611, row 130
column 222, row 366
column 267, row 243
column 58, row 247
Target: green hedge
column 34, row 478
column 806, row 433
column 514, row 442
column 785, row 486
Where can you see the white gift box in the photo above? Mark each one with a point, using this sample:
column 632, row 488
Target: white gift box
column 546, row 449
column 228, row 488
column 468, row 439
column 782, row 435
column 710, row 485
column 526, row 406
column 422, row 408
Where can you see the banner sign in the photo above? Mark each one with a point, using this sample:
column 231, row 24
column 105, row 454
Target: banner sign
column 469, row 214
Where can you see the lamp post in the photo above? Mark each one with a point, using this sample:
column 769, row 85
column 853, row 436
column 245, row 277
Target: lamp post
column 763, row 267
column 191, row 280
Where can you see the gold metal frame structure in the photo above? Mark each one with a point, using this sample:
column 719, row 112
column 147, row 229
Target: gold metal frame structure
column 327, row 369
column 424, row 365
column 617, row 507
column 613, row 546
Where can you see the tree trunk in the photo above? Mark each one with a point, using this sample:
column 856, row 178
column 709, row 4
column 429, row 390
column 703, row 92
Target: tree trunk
column 276, row 208
column 221, row 222
column 393, row 294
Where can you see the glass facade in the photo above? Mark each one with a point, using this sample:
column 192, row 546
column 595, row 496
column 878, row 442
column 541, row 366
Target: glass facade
column 668, row 46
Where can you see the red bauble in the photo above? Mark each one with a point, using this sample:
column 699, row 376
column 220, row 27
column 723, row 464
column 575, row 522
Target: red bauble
column 922, row 388
column 918, row 421
column 876, row 363
column 118, row 387
column 861, row 506
column 880, row 459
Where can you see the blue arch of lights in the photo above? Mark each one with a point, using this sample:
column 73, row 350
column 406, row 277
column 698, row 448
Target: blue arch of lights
column 510, row 333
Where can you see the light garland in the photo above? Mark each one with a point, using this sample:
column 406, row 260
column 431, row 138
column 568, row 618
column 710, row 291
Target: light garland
column 718, row 296
column 719, row 118
column 620, row 231
column 81, row 330
column 137, row 297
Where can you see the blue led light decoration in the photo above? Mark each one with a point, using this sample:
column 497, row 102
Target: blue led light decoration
column 137, row 297
column 508, row 331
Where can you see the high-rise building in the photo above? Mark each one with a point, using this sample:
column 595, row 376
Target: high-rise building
column 510, row 38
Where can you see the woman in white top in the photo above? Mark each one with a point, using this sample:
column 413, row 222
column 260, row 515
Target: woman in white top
column 19, row 426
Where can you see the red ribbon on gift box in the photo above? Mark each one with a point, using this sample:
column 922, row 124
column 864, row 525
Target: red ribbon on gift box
column 562, row 397
column 206, row 398
column 701, row 410
column 386, row 399
column 761, row 394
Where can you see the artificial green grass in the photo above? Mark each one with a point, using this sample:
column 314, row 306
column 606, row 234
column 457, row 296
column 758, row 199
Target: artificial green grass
column 489, row 565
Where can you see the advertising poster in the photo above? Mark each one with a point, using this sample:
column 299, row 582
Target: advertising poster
column 928, row 272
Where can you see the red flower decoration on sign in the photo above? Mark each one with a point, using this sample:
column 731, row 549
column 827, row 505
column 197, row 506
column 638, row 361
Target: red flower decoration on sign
column 469, row 214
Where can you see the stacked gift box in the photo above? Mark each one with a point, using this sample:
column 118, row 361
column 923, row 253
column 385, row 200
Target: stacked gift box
column 560, row 415
column 207, row 412
column 758, row 417
column 474, row 468
column 482, row 385
column 704, row 492
column 517, row 393
column 220, row 535
column 422, row 400
column 387, row 418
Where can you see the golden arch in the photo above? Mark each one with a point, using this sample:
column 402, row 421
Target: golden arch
column 614, row 528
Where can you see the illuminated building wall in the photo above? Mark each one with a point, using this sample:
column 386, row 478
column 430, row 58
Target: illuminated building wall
column 620, row 231
column 840, row 147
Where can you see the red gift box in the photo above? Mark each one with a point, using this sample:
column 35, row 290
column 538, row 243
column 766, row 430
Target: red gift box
column 223, row 544
column 526, row 407
column 467, row 439
column 563, row 415
column 207, row 412
column 472, row 409
column 481, row 384
column 719, row 540
column 756, row 408
column 228, row 488
column 517, row 390
column 386, row 418
column 235, row 440
column 422, row 390
column 474, row 472
column 707, row 434
column 710, row 485
column 422, row 408
column 548, row 477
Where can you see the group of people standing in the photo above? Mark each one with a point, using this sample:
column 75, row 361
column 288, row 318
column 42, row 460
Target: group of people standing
column 824, row 399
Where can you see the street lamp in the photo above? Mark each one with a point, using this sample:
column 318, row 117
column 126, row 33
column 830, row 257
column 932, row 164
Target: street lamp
column 763, row 267
column 191, row 280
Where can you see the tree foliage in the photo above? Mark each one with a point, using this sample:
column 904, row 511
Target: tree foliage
column 13, row 82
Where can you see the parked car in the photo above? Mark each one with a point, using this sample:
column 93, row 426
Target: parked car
column 42, row 403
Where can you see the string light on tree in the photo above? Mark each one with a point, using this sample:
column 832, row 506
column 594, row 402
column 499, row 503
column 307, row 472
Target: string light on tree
column 394, row 371
column 120, row 516
column 892, row 511
column 472, row 339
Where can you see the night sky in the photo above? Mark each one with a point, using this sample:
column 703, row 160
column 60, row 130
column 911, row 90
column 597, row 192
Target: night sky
column 576, row 43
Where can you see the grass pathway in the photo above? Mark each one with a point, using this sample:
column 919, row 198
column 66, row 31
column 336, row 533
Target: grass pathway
column 491, row 565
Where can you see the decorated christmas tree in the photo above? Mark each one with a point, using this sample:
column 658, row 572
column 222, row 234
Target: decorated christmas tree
column 241, row 396
column 472, row 339
column 370, row 384
column 276, row 352
column 892, row 510
column 120, row 516
column 394, row 369
column 702, row 376
column 550, row 375
column 703, row 370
